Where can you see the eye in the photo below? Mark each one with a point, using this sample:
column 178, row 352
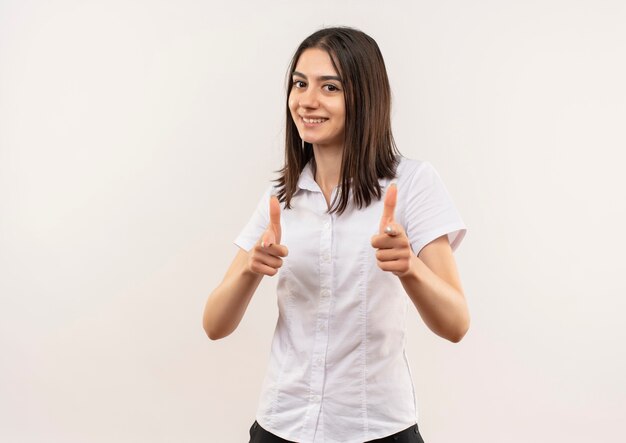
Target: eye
column 334, row 88
column 295, row 83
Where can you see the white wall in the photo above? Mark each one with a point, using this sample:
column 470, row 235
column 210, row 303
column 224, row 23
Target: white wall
column 136, row 138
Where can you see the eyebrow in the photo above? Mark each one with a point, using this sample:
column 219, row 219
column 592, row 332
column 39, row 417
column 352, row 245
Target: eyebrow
column 321, row 77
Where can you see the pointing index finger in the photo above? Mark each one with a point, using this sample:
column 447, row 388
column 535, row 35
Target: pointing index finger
column 391, row 198
column 275, row 216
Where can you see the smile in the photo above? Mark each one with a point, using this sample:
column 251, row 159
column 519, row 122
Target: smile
column 313, row 121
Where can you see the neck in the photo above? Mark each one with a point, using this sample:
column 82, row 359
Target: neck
column 328, row 165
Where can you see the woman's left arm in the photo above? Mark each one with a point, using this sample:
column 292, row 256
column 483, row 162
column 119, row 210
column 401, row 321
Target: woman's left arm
column 430, row 279
column 433, row 284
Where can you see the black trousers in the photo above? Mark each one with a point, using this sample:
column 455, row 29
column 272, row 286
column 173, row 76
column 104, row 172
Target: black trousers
column 409, row 435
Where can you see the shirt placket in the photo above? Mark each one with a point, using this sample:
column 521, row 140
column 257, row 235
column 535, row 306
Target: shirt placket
column 320, row 344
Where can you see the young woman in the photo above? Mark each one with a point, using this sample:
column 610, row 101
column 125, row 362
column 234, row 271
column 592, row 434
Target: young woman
column 350, row 263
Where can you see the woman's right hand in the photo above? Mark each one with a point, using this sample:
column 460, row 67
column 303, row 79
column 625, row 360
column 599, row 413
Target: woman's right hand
column 265, row 257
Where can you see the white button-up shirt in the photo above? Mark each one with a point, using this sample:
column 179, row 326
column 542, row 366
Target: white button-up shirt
column 338, row 370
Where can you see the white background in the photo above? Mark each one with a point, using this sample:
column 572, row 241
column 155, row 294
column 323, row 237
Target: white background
column 136, row 138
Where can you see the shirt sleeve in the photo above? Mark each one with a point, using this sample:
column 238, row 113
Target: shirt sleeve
column 430, row 210
column 257, row 224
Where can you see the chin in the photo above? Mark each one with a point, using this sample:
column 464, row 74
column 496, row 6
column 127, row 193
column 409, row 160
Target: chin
column 313, row 140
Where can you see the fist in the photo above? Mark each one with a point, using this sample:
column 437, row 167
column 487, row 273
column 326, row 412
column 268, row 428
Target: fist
column 265, row 256
column 393, row 250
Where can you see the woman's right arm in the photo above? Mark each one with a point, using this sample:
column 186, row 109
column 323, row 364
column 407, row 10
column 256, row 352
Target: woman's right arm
column 228, row 302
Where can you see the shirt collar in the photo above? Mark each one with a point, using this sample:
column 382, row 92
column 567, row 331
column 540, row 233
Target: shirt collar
column 307, row 181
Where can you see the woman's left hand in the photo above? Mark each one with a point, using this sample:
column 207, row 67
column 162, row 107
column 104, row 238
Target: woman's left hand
column 394, row 253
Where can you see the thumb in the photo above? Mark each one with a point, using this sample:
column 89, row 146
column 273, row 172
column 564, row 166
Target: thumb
column 273, row 233
column 389, row 208
column 268, row 238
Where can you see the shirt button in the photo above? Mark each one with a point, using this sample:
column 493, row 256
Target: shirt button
column 325, row 293
column 326, row 257
column 327, row 225
column 319, row 361
column 315, row 398
column 322, row 326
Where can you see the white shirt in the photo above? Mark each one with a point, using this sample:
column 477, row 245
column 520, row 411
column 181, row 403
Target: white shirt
column 338, row 370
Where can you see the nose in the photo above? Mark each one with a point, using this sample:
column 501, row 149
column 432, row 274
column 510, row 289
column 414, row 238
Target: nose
column 309, row 98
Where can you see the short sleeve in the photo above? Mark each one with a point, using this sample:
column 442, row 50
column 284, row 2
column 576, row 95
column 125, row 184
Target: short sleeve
column 430, row 211
column 257, row 224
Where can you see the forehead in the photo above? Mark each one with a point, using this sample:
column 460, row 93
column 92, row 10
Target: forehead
column 315, row 61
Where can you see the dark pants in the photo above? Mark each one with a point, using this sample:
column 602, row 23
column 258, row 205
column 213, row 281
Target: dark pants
column 409, row 435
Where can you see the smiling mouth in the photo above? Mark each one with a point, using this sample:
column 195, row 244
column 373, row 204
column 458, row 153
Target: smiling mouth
column 314, row 121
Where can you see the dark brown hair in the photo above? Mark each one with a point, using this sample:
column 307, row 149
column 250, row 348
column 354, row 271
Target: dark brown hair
column 369, row 148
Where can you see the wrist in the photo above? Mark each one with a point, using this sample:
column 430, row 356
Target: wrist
column 412, row 273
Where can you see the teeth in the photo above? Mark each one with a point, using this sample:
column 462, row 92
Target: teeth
column 314, row 120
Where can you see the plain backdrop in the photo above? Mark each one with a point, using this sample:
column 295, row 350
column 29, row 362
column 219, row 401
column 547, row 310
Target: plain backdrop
column 136, row 138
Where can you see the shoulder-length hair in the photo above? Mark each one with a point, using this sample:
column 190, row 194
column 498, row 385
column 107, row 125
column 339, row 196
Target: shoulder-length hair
column 369, row 148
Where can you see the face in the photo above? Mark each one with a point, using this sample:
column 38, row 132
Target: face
column 317, row 92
